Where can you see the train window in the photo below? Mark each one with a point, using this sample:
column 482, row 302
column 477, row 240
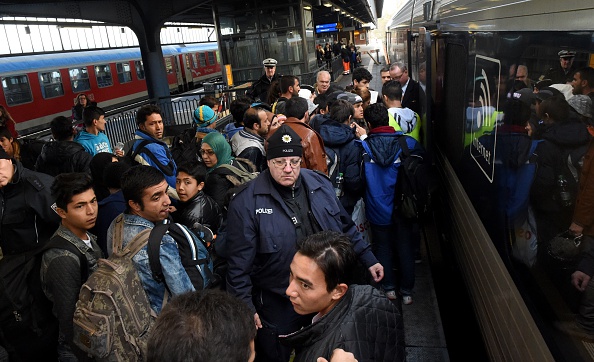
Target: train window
column 79, row 78
column 51, row 84
column 211, row 58
column 103, row 74
column 194, row 60
column 202, row 57
column 124, row 72
column 139, row 69
column 168, row 65
column 17, row 90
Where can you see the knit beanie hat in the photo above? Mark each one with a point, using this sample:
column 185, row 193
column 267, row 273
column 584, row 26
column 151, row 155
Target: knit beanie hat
column 204, row 116
column 284, row 142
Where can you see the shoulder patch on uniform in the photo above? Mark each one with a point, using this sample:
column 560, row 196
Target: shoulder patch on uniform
column 36, row 182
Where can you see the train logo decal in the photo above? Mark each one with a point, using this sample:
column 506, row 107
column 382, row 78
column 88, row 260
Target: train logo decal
column 482, row 114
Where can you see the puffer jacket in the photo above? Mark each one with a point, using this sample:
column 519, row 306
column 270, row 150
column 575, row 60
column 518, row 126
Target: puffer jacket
column 314, row 155
column 341, row 138
column 61, row 157
column 200, row 209
column 364, row 322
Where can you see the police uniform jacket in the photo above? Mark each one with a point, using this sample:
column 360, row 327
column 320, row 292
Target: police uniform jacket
column 25, row 211
column 261, row 239
column 259, row 90
column 364, row 322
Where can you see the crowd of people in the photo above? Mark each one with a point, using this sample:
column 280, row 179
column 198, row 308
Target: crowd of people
column 295, row 264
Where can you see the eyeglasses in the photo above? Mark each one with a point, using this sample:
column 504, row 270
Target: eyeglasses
column 207, row 152
column 294, row 163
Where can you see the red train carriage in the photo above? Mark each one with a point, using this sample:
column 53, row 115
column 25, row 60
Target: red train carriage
column 37, row 88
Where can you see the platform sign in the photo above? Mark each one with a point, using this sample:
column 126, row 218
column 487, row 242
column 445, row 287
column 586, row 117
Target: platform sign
column 327, row 28
column 339, row 25
column 481, row 114
column 228, row 75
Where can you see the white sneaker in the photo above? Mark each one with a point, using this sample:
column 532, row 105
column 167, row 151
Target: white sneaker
column 407, row 299
column 391, row 295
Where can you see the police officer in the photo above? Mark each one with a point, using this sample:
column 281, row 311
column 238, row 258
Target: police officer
column 562, row 73
column 259, row 90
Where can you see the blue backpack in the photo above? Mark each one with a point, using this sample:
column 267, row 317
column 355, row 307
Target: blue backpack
column 380, row 187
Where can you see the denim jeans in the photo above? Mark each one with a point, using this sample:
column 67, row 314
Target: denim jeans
column 398, row 235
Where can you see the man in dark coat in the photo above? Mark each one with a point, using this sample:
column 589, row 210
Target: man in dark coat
column 358, row 318
column 563, row 72
column 410, row 88
column 259, row 90
column 283, row 205
column 63, row 155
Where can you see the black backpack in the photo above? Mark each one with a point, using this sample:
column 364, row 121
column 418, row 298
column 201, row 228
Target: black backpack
column 413, row 184
column 195, row 256
column 185, row 147
column 130, row 158
column 28, row 328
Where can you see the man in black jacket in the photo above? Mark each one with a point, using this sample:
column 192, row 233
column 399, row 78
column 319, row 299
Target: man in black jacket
column 61, row 275
column 411, row 90
column 259, row 90
column 63, row 155
column 319, row 285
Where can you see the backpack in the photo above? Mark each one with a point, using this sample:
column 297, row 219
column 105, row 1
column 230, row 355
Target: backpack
column 412, row 189
column 113, row 315
column 380, row 186
column 130, row 158
column 194, row 254
column 185, row 147
column 333, row 164
column 28, row 328
column 240, row 174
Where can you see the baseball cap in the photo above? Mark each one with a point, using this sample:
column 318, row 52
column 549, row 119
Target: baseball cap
column 526, row 95
column 352, row 98
column 546, row 93
column 269, row 62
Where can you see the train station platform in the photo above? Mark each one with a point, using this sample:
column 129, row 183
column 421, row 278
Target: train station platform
column 424, row 334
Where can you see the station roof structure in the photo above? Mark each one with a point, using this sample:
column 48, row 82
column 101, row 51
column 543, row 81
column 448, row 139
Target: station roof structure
column 182, row 11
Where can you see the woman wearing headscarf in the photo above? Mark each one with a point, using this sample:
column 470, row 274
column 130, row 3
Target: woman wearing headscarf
column 216, row 152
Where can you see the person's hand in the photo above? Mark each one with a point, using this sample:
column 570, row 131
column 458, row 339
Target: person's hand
column 119, row 153
column 339, row 355
column 377, row 272
column 359, row 131
column 576, row 229
column 257, row 321
column 172, row 208
column 580, row 280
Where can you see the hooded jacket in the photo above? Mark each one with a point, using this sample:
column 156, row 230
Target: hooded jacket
column 364, row 322
column 341, row 138
column 405, row 119
column 161, row 152
column 61, row 157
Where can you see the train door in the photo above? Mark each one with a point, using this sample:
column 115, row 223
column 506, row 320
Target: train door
column 187, row 71
column 182, row 85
